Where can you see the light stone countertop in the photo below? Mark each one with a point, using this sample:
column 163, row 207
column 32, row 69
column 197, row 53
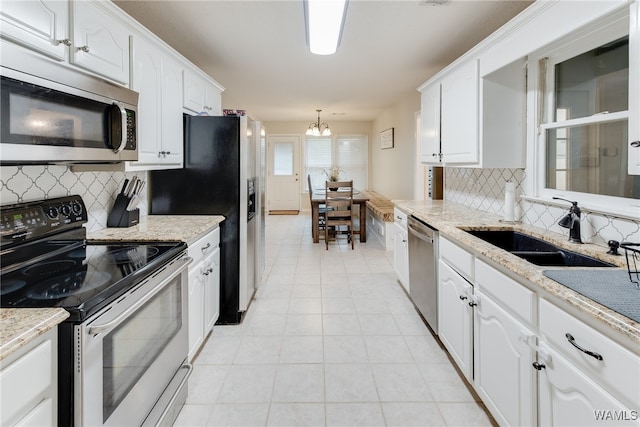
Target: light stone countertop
column 449, row 217
column 18, row 326
column 21, row 325
column 181, row 228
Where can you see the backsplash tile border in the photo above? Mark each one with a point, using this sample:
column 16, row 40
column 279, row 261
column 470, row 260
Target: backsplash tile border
column 98, row 189
column 484, row 189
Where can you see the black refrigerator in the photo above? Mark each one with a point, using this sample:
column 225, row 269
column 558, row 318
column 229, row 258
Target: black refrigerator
column 215, row 180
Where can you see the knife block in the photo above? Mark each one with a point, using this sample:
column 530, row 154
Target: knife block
column 120, row 216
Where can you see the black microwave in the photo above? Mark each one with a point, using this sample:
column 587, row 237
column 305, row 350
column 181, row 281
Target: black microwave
column 46, row 122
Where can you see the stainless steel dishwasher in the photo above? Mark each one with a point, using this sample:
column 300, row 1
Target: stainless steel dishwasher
column 423, row 275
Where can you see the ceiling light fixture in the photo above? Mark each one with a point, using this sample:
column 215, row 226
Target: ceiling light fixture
column 324, row 21
column 318, row 129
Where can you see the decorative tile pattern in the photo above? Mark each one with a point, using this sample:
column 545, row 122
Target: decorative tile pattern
column 98, row 189
column 484, row 189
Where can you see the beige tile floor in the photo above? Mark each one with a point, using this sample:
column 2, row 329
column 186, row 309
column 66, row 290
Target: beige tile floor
column 329, row 340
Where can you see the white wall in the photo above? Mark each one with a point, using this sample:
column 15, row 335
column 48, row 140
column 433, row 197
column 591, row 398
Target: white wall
column 299, row 128
column 392, row 169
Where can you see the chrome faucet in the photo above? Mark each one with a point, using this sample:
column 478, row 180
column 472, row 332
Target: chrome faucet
column 571, row 221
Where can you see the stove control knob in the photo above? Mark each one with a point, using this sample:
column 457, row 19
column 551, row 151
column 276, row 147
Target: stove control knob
column 52, row 212
column 65, row 210
column 76, row 207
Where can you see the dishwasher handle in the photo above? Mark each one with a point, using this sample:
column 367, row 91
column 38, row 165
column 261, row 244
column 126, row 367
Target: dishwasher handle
column 419, row 230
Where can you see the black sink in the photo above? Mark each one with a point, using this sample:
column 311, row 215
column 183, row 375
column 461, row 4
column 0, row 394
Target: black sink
column 536, row 251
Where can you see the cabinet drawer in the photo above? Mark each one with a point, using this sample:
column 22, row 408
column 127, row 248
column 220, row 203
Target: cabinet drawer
column 618, row 371
column 400, row 218
column 205, row 245
column 510, row 293
column 25, row 381
column 458, row 258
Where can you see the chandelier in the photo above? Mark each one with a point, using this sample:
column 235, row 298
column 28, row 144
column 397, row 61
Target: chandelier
column 318, row 129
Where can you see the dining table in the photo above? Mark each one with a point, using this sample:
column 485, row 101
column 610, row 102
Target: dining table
column 360, row 198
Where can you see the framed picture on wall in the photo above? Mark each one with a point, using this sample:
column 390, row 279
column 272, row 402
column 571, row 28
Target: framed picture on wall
column 386, row 139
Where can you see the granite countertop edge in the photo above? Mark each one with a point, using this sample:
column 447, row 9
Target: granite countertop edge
column 450, row 219
column 19, row 326
column 179, row 228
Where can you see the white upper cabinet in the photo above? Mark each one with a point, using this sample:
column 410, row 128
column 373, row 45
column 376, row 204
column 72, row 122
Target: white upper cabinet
column 634, row 90
column 158, row 80
column 42, row 26
column 100, row 43
column 430, row 119
column 201, row 96
column 473, row 121
column 459, row 114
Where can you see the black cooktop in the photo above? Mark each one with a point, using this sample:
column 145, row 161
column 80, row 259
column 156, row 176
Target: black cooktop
column 46, row 261
column 82, row 277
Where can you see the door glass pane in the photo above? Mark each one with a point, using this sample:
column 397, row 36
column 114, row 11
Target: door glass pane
column 134, row 345
column 594, row 82
column 591, row 159
column 283, row 158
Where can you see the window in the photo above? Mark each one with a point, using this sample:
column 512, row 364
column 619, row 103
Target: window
column 348, row 152
column 583, row 134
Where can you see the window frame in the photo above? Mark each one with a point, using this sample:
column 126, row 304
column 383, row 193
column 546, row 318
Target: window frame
column 334, row 153
column 541, row 92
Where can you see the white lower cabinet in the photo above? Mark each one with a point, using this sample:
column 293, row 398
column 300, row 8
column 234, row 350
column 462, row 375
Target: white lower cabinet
column 211, row 285
column 204, row 289
column 530, row 361
column 401, row 256
column 569, row 397
column 28, row 383
column 196, row 308
column 455, row 317
column 503, row 375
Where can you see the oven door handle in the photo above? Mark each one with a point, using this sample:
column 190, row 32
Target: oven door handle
column 99, row 329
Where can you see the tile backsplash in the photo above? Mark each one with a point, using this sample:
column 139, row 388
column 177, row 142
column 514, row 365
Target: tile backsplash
column 98, row 189
column 484, row 189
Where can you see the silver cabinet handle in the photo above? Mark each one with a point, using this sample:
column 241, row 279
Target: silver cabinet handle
column 84, row 48
column 123, row 119
column 572, row 341
column 66, row 42
column 204, row 248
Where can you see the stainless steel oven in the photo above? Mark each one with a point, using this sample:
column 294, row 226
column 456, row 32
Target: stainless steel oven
column 84, row 120
column 122, row 353
column 128, row 353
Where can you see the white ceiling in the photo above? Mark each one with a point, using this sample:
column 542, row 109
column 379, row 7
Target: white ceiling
column 257, row 50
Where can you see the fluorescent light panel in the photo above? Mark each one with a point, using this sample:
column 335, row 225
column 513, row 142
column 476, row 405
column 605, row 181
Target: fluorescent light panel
column 325, row 19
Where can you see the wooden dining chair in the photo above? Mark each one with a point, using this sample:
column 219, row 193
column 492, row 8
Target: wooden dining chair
column 321, row 208
column 339, row 209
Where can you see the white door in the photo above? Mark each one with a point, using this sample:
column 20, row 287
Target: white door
column 283, row 176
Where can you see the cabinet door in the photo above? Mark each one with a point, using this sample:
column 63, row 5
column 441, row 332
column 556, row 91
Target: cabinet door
column 146, row 79
column 503, row 376
column 569, row 397
column 100, row 42
column 455, row 317
column 196, row 309
column 193, row 92
column 39, row 25
column 213, row 100
column 400, row 256
column 211, row 290
column 171, row 123
column 430, row 118
column 634, row 90
column 459, row 115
